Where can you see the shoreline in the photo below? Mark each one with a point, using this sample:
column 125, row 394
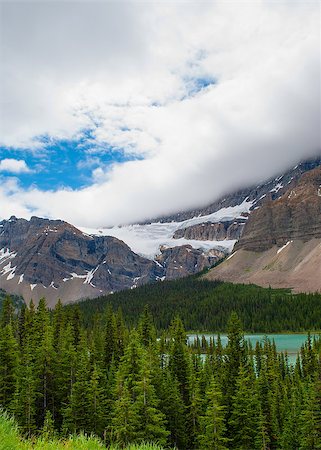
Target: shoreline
column 251, row 333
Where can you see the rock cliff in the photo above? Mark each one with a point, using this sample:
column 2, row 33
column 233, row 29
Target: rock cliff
column 295, row 215
column 209, row 231
column 281, row 242
column 51, row 258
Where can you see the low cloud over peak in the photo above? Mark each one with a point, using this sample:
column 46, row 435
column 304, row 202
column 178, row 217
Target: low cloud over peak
column 184, row 102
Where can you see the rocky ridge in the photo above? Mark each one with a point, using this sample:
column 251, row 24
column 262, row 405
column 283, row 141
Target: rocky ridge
column 281, row 242
column 296, row 215
column 54, row 259
column 209, row 231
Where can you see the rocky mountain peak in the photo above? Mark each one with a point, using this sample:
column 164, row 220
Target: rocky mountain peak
column 52, row 258
column 294, row 215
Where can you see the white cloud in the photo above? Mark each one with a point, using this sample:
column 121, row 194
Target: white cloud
column 14, row 166
column 129, row 66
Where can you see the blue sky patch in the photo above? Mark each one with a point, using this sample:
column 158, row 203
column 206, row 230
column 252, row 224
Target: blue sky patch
column 65, row 163
column 198, row 84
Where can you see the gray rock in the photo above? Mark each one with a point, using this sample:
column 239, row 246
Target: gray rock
column 208, row 231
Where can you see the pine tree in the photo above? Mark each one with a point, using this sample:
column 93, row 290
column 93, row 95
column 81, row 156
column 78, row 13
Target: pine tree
column 172, row 405
column 291, row 430
column 235, row 357
column 213, row 428
column 151, row 425
column 245, row 412
column 7, row 312
column 23, row 405
column 179, row 360
column 8, row 364
column 97, row 406
column 77, row 413
column 146, row 328
column 310, row 418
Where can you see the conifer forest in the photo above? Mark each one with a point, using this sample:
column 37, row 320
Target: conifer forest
column 135, row 385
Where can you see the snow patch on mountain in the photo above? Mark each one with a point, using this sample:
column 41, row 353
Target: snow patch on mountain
column 283, row 247
column 146, row 239
column 6, row 254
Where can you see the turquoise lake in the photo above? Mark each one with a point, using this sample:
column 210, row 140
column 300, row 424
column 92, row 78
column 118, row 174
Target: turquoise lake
column 290, row 343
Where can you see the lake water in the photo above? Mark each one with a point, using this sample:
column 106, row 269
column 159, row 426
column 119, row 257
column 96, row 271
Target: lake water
column 290, row 343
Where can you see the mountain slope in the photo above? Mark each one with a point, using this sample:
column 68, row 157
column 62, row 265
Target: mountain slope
column 281, row 242
column 51, row 258
column 217, row 226
column 54, row 259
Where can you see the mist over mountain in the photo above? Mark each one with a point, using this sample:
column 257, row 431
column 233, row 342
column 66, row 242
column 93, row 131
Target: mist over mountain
column 54, row 259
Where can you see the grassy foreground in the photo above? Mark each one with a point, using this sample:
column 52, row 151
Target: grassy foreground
column 10, row 439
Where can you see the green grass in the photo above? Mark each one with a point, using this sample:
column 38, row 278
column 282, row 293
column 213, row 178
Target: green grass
column 10, row 439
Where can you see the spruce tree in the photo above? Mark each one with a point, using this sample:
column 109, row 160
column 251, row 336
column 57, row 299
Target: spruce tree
column 245, row 412
column 64, row 370
column 235, row 357
column 291, row 430
column 110, row 337
column 8, row 364
column 44, row 363
column 151, row 425
column 146, row 328
column 172, row 405
column 124, row 419
column 179, row 360
column 97, row 406
column 310, row 418
column 213, row 427
column 23, row 405
column 77, row 413
column 7, row 312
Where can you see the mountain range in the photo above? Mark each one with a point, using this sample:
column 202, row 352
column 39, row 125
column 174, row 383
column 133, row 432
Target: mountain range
column 274, row 228
column 281, row 243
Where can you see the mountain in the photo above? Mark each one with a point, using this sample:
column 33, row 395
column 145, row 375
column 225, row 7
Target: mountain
column 272, row 188
column 217, row 226
column 52, row 258
column 281, row 242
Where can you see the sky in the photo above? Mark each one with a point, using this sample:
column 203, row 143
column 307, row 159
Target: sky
column 115, row 112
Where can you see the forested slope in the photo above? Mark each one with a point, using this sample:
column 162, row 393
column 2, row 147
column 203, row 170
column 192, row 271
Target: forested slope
column 206, row 306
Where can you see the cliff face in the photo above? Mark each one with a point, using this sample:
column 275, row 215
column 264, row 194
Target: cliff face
column 281, row 242
column 49, row 254
column 295, row 215
column 51, row 258
column 184, row 260
column 212, row 231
